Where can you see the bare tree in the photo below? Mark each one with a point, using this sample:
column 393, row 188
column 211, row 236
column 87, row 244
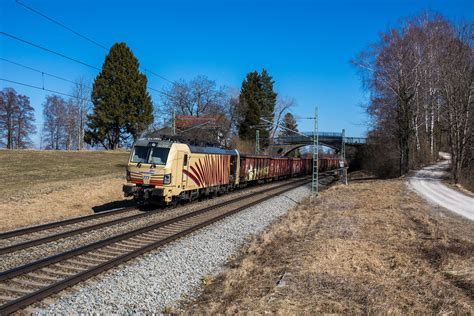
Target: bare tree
column 16, row 119
column 54, row 113
column 204, row 104
column 3, row 119
column 24, row 123
column 231, row 108
column 8, row 113
column 197, row 97
column 282, row 108
column 72, row 130
column 420, row 76
column 389, row 68
column 457, row 89
column 81, row 92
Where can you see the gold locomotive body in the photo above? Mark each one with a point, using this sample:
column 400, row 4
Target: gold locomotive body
column 167, row 172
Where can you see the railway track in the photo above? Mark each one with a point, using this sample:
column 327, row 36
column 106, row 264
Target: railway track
column 38, row 235
column 63, row 223
column 15, row 246
column 31, row 236
column 26, row 284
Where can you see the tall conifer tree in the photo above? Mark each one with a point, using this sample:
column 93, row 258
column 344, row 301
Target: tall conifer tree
column 291, row 127
column 269, row 98
column 122, row 105
column 250, row 96
column 258, row 100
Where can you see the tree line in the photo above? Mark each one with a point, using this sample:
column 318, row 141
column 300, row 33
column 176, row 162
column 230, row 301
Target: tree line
column 420, row 78
column 16, row 120
column 117, row 109
column 63, row 120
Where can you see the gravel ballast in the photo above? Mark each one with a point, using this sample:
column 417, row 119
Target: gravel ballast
column 162, row 277
column 11, row 260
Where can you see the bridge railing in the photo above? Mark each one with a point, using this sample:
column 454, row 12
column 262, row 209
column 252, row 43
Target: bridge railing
column 322, row 136
column 356, row 140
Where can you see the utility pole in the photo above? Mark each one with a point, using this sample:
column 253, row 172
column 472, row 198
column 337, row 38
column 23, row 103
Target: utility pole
column 315, row 171
column 315, row 178
column 257, row 142
column 342, row 163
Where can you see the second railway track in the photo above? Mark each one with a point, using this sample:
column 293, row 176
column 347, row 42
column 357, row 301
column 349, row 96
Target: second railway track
column 63, row 223
column 26, row 284
column 38, row 235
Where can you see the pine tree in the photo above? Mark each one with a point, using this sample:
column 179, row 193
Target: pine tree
column 250, row 97
column 257, row 99
column 122, row 105
column 290, row 125
column 268, row 105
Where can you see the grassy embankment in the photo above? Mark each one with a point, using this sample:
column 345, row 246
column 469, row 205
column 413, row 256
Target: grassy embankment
column 39, row 186
column 368, row 248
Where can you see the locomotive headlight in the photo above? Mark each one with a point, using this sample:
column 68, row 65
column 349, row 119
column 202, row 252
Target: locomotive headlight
column 167, row 178
column 127, row 175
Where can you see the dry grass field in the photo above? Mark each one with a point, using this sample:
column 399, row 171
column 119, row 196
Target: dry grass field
column 372, row 247
column 41, row 186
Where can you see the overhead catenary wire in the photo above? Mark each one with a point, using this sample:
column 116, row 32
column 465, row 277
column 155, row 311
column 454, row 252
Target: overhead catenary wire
column 159, row 76
column 44, row 89
column 40, row 71
column 48, row 50
column 54, row 91
column 60, row 24
column 82, row 36
column 69, row 58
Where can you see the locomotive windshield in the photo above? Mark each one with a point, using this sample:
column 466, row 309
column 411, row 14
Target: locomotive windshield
column 152, row 155
column 158, row 155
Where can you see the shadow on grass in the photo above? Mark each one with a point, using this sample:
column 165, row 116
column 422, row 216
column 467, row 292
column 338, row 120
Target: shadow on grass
column 438, row 255
column 364, row 179
column 113, row 205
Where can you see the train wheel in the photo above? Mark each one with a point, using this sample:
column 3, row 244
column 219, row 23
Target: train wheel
column 173, row 203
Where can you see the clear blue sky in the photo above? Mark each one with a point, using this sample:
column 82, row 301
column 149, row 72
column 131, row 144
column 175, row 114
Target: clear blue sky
column 305, row 45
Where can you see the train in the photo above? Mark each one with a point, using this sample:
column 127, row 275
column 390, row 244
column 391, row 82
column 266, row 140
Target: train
column 166, row 172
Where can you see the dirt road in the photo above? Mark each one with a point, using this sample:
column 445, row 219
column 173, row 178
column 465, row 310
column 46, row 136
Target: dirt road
column 428, row 182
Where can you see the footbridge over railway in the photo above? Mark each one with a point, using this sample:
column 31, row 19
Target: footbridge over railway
column 285, row 144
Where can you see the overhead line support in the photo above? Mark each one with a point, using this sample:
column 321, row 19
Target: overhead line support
column 315, row 177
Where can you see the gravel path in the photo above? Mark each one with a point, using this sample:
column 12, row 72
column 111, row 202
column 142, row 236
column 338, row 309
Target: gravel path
column 428, row 182
column 160, row 278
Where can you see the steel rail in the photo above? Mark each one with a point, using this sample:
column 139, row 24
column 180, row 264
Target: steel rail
column 27, row 230
column 70, row 233
column 8, row 274
column 41, row 293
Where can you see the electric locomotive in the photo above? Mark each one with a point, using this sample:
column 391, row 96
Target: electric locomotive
column 166, row 172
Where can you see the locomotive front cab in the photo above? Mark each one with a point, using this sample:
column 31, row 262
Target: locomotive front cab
column 149, row 170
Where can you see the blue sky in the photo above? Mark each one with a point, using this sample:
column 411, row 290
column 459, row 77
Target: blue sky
column 305, row 45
